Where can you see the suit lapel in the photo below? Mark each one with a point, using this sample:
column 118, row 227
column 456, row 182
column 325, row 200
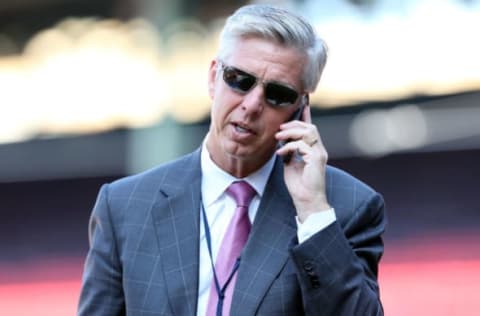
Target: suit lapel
column 266, row 252
column 176, row 219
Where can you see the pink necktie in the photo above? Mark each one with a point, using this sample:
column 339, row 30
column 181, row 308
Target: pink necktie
column 232, row 244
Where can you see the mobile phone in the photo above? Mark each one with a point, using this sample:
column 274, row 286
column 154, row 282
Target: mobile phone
column 297, row 115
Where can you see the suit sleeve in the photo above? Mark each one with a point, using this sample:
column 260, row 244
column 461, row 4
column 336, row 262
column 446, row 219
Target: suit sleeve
column 102, row 292
column 337, row 267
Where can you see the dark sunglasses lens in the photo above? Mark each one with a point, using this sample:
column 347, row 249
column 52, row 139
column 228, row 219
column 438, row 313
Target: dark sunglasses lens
column 238, row 80
column 279, row 95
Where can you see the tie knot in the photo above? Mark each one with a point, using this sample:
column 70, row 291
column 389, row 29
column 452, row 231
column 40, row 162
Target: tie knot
column 241, row 192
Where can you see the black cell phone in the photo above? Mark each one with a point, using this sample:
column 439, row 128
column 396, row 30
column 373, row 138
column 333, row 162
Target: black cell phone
column 297, row 115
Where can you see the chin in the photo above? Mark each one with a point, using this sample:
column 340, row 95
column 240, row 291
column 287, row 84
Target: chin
column 238, row 151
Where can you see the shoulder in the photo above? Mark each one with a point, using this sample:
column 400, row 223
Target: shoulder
column 170, row 174
column 131, row 198
column 337, row 179
column 351, row 196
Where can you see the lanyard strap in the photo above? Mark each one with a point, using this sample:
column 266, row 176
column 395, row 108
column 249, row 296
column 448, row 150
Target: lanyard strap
column 220, row 290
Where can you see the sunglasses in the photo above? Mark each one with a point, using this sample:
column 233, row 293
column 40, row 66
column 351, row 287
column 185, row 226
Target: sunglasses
column 276, row 94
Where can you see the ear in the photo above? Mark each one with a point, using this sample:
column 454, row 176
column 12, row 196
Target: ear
column 212, row 76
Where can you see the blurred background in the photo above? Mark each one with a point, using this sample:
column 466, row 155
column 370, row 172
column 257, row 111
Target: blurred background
column 93, row 90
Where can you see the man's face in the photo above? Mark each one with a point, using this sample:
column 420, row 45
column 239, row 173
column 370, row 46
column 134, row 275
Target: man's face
column 243, row 125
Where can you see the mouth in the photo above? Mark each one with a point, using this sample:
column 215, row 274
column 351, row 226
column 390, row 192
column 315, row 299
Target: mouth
column 242, row 128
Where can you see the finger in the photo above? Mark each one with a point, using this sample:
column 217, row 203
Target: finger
column 292, row 133
column 299, row 131
column 307, row 115
column 298, row 146
column 303, row 152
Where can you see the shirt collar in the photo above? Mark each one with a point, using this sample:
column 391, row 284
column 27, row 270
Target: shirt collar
column 215, row 180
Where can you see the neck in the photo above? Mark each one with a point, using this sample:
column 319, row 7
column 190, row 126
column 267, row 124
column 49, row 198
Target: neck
column 239, row 167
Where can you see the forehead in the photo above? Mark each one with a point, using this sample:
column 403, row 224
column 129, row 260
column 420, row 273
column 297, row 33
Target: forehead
column 268, row 60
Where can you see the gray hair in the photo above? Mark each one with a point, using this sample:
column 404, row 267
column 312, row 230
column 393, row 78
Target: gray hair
column 282, row 27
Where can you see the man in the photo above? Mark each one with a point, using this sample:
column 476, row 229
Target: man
column 170, row 241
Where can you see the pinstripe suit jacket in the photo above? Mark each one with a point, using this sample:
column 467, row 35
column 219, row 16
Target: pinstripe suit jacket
column 144, row 249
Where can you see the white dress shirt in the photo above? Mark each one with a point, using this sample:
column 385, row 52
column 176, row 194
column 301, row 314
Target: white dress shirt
column 219, row 208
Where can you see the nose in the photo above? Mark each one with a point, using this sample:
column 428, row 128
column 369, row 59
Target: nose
column 254, row 101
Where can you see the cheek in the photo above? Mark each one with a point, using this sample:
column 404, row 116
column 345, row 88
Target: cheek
column 218, row 114
column 270, row 128
column 215, row 115
column 274, row 121
column 222, row 108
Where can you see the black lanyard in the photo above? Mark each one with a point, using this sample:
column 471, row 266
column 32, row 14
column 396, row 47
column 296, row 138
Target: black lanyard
column 220, row 290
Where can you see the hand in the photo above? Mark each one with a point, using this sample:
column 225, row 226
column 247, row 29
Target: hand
column 305, row 178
